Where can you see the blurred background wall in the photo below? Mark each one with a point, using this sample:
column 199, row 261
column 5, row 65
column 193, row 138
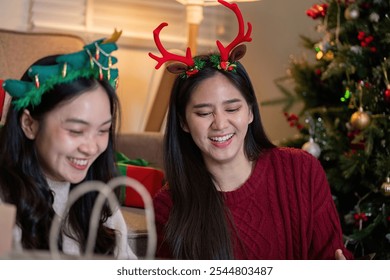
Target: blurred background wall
column 277, row 25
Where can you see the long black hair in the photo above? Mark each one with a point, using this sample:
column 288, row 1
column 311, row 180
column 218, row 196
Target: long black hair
column 199, row 225
column 23, row 183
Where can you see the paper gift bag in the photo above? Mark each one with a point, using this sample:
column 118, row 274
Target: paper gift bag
column 7, row 222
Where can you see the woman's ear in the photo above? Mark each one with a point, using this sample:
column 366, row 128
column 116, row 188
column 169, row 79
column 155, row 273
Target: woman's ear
column 29, row 125
column 184, row 126
column 250, row 114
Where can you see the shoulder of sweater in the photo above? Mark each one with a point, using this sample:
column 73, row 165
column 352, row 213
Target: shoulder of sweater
column 293, row 154
column 291, row 159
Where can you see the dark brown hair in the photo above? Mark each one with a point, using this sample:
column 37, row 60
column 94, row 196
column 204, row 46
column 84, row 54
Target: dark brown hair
column 199, row 226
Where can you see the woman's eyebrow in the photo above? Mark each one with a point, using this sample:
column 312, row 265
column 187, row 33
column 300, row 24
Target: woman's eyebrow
column 229, row 101
column 234, row 100
column 80, row 121
column 202, row 105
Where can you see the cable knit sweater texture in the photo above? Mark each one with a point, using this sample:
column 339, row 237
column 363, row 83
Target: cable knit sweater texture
column 283, row 211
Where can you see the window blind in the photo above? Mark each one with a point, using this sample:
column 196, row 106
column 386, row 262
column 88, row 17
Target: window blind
column 136, row 18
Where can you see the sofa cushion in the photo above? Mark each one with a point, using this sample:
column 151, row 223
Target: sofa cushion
column 142, row 145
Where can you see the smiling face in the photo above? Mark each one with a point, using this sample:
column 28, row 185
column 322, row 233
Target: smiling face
column 217, row 117
column 71, row 136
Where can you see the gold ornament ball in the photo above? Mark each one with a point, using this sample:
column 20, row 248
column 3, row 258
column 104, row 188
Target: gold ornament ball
column 360, row 120
column 329, row 56
column 385, row 188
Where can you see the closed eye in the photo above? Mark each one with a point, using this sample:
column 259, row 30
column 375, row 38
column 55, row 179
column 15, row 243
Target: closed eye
column 201, row 114
column 76, row 132
column 232, row 110
column 104, row 131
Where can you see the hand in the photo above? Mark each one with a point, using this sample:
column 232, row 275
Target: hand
column 339, row 255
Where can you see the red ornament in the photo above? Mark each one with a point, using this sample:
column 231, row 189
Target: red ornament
column 353, row 133
column 386, row 94
column 353, row 144
column 366, row 40
column 293, row 121
column 360, row 216
column 367, row 85
column 317, row 11
column 361, row 35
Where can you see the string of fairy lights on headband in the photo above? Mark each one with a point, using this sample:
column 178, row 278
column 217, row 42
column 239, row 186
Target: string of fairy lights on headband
column 95, row 60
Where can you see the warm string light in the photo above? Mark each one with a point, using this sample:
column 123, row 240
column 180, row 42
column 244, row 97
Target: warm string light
column 347, row 93
column 360, row 93
column 385, row 72
column 94, row 61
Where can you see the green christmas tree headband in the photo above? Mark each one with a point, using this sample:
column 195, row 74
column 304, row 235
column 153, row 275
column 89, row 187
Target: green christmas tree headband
column 95, row 60
column 225, row 60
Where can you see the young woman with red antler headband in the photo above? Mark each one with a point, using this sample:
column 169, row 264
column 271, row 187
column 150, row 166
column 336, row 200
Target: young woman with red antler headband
column 232, row 194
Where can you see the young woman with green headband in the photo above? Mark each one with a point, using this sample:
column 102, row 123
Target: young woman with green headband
column 59, row 132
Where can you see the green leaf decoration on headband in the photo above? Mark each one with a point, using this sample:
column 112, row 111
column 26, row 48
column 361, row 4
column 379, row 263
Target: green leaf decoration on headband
column 215, row 60
column 95, row 60
column 222, row 65
column 198, row 65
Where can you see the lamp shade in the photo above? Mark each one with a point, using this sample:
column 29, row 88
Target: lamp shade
column 194, row 10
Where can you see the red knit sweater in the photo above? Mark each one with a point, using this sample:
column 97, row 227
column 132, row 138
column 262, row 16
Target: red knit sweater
column 283, row 211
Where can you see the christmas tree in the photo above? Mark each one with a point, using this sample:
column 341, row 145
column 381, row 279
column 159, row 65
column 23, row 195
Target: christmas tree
column 345, row 117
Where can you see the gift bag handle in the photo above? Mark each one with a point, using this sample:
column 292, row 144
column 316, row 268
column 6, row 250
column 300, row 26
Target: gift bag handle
column 105, row 193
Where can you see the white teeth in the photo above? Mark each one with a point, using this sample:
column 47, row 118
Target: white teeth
column 222, row 139
column 80, row 162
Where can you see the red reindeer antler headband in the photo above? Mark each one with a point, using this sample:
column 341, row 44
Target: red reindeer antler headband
column 227, row 55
